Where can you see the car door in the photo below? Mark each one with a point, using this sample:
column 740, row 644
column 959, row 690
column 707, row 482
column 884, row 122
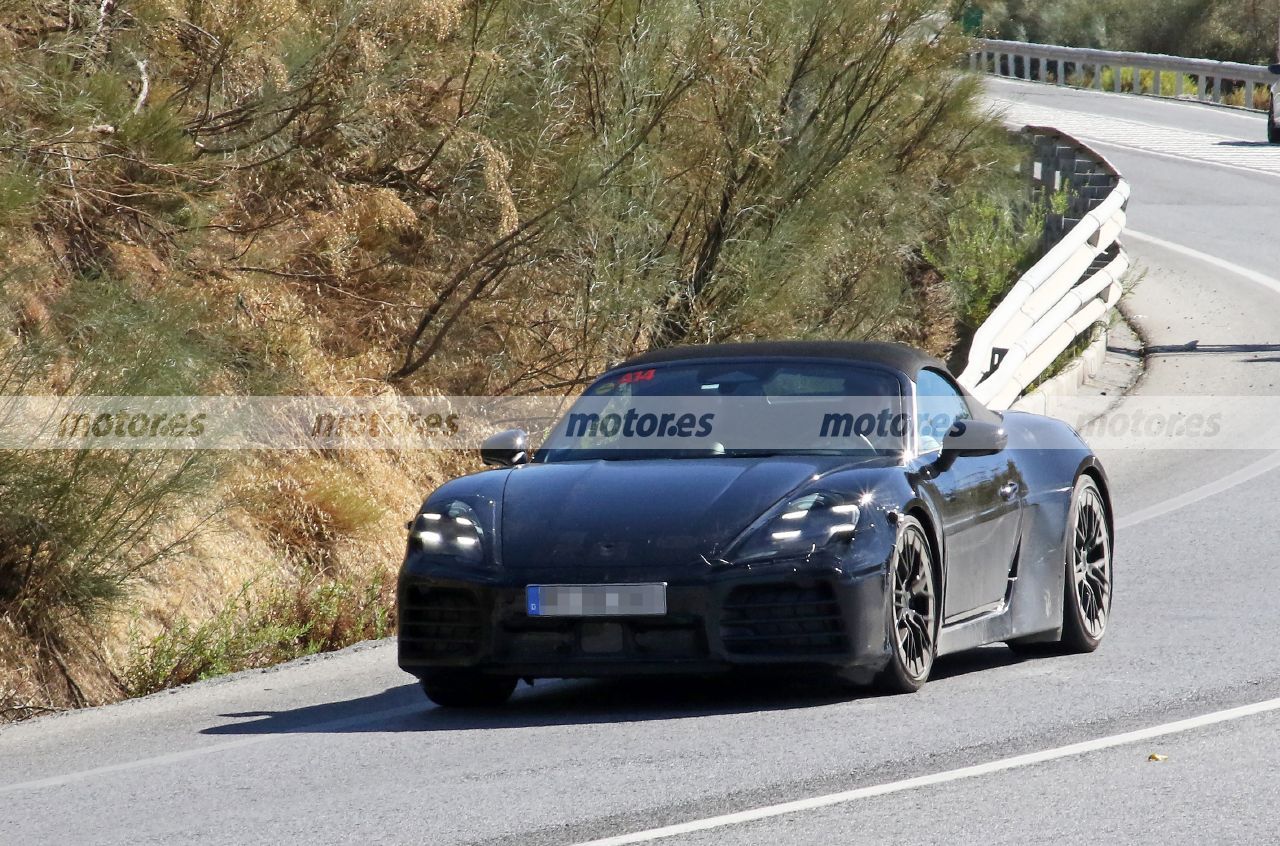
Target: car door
column 980, row 498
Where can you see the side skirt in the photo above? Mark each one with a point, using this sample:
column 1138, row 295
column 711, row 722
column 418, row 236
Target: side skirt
column 1027, row 611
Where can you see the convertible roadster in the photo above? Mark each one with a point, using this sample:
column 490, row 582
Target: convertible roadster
column 835, row 508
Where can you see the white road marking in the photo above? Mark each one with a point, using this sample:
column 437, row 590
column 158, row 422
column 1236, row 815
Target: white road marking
column 1002, row 765
column 1253, row 155
column 1226, row 483
column 1244, row 474
column 188, row 754
column 1269, row 282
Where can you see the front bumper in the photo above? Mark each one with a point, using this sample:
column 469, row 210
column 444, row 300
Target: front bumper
column 803, row 617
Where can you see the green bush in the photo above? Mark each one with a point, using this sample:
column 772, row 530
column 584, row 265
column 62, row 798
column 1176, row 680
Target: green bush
column 725, row 170
column 78, row 527
column 988, row 244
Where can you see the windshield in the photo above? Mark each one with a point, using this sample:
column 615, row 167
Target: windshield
column 733, row 408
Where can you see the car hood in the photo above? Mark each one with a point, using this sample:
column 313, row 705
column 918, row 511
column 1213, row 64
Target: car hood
column 631, row 516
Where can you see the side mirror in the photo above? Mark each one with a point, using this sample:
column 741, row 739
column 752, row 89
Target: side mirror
column 973, row 438
column 1274, row 68
column 506, row 449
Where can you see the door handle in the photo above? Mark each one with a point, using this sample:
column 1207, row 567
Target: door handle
column 1010, row 490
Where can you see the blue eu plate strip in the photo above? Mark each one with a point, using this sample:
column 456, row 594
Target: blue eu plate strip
column 532, row 600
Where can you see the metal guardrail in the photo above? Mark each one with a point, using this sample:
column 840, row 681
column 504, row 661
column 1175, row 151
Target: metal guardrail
column 1041, row 62
column 1075, row 284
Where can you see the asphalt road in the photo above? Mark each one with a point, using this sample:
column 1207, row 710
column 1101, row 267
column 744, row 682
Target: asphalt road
column 344, row 749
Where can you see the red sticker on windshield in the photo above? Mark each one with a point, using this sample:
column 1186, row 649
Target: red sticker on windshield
column 637, row 376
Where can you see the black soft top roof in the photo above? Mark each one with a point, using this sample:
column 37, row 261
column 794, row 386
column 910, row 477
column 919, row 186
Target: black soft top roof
column 899, row 357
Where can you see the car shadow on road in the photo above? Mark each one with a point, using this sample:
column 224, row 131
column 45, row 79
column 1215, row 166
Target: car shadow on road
column 1245, row 144
column 582, row 702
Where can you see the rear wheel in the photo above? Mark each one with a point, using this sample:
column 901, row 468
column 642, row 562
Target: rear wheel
column 1087, row 604
column 467, row 689
column 911, row 612
column 1086, row 601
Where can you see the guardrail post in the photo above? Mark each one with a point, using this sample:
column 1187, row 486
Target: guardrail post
column 1118, row 82
column 1217, row 89
column 1097, row 76
column 1049, row 169
column 1044, row 155
column 1081, row 176
column 1156, row 81
column 1248, row 94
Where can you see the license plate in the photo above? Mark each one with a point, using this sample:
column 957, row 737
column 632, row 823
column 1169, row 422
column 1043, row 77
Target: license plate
column 596, row 600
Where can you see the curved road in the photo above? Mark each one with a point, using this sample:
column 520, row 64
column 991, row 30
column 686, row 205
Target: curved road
column 345, row 749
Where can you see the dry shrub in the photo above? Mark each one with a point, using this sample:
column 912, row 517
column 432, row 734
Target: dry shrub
column 260, row 627
column 306, row 505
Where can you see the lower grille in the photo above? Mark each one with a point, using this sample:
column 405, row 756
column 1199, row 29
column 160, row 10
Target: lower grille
column 618, row 639
column 439, row 623
column 783, row 619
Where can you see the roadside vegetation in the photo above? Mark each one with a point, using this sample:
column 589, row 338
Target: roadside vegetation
column 1227, row 30
column 423, row 196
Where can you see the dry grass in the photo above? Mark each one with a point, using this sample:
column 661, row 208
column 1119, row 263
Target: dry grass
column 261, row 625
column 1261, row 98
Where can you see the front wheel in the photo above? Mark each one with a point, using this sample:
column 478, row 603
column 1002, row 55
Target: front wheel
column 911, row 612
column 467, row 689
column 1273, row 125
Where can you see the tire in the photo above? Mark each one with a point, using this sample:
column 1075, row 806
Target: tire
column 1086, row 608
column 911, row 612
column 467, row 689
column 1273, row 128
column 1090, row 574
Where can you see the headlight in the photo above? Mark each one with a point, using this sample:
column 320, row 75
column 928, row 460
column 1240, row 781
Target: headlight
column 800, row 527
column 451, row 529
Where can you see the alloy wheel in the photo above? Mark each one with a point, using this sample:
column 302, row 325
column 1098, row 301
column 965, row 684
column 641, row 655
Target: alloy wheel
column 914, row 604
column 1091, row 563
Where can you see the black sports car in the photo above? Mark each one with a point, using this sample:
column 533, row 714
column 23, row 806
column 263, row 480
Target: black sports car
column 844, row 508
